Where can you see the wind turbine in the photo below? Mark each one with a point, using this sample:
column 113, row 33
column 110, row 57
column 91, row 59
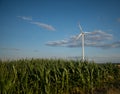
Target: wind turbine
column 82, row 34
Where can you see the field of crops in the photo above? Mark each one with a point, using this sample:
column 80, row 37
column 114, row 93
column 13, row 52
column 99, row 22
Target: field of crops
column 58, row 76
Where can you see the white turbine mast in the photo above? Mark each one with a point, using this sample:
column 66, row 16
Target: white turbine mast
column 82, row 34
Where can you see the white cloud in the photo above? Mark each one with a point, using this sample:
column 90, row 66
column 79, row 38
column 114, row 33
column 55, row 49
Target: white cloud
column 43, row 25
column 96, row 38
column 25, row 18
column 99, row 35
column 40, row 24
column 115, row 44
column 57, row 43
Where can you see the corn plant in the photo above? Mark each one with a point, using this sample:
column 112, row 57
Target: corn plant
column 56, row 76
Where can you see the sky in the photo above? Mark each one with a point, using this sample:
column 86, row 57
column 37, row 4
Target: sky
column 48, row 28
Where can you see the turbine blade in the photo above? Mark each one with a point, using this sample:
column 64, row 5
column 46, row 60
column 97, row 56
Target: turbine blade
column 79, row 36
column 80, row 28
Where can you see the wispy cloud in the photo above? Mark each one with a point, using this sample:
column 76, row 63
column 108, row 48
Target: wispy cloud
column 118, row 19
column 115, row 44
column 96, row 38
column 40, row 24
column 25, row 18
column 10, row 49
column 96, row 35
column 43, row 25
column 36, row 50
column 57, row 43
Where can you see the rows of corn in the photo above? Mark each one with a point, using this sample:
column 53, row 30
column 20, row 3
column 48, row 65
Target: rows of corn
column 57, row 76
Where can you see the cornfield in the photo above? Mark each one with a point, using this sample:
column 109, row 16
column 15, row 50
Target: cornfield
column 57, row 76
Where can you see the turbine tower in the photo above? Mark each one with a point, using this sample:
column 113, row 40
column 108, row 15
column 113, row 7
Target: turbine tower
column 82, row 34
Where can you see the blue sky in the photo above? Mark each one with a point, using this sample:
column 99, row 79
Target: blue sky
column 48, row 28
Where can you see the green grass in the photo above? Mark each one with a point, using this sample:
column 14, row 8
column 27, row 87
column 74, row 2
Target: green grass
column 57, row 76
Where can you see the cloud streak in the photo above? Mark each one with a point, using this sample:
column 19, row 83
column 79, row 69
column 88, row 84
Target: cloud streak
column 40, row 24
column 25, row 18
column 57, row 43
column 10, row 49
column 96, row 38
column 43, row 25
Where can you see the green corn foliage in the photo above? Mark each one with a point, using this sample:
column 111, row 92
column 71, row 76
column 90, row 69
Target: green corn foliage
column 56, row 76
